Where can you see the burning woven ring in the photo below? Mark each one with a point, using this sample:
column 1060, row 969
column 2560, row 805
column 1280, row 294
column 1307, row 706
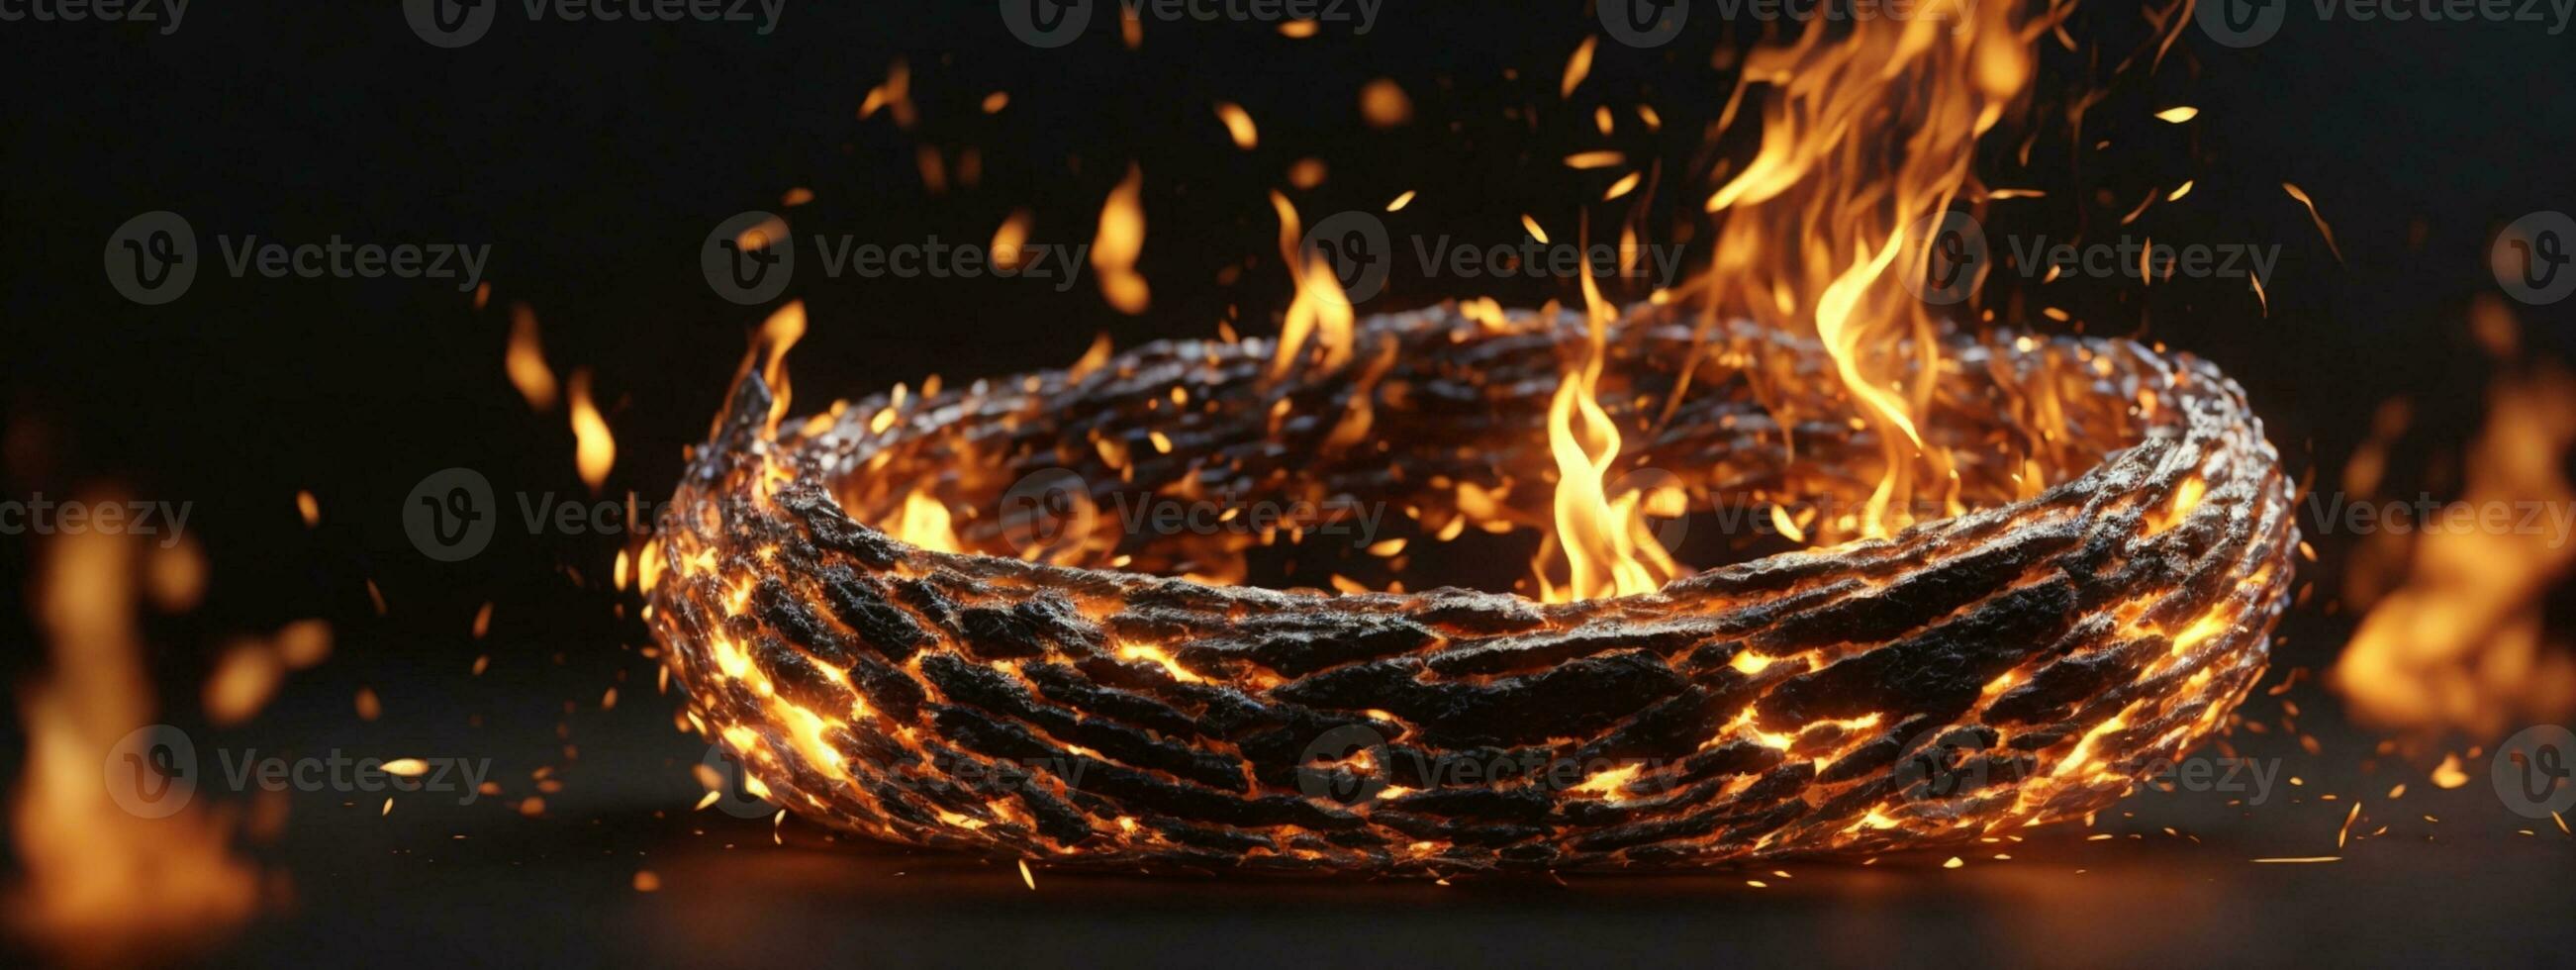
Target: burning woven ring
column 2019, row 664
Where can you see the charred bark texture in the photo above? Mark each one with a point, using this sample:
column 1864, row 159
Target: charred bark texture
column 2024, row 662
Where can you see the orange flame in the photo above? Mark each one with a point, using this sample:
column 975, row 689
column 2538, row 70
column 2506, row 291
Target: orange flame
column 2459, row 646
column 1606, row 548
column 101, row 883
column 1865, row 141
column 1321, row 309
column 526, row 361
column 1115, row 246
column 594, row 448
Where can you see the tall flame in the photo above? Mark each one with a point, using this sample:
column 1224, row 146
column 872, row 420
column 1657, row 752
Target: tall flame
column 1866, row 140
column 1606, row 547
column 1321, row 310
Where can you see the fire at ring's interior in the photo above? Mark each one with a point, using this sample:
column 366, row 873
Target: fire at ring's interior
column 2024, row 660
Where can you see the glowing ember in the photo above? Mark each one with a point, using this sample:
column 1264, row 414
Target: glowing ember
column 1120, row 238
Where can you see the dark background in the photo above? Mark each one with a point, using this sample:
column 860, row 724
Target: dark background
column 595, row 157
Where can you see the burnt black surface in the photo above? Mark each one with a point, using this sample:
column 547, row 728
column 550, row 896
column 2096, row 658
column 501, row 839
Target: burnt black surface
column 594, row 158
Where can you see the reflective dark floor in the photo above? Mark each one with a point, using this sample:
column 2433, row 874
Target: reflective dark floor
column 448, row 885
